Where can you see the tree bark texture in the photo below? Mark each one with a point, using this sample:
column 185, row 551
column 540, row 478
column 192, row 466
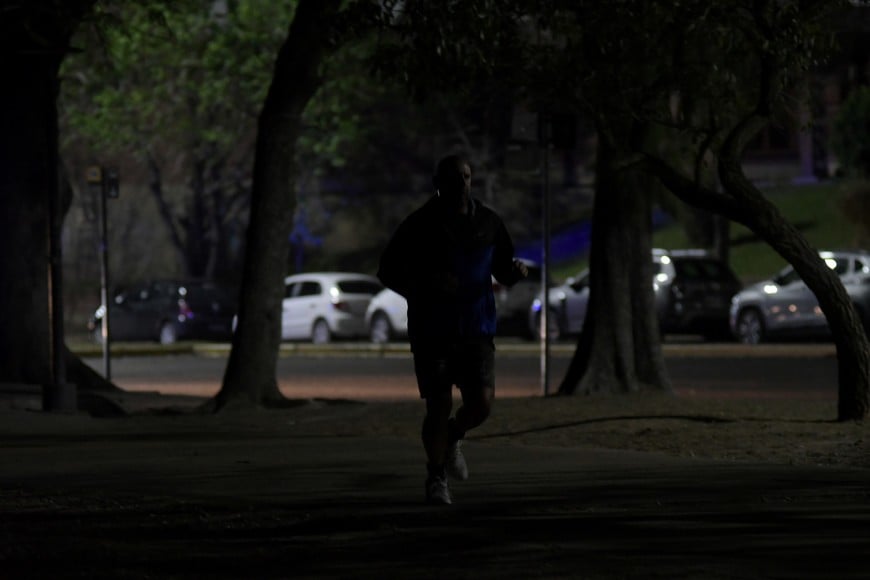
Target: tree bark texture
column 34, row 37
column 250, row 376
column 26, row 104
column 850, row 338
column 619, row 349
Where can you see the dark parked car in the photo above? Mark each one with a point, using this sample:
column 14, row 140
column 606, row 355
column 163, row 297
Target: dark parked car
column 693, row 292
column 169, row 310
column 785, row 307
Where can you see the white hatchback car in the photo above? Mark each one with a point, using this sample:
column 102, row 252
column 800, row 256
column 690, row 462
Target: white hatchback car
column 320, row 306
column 387, row 317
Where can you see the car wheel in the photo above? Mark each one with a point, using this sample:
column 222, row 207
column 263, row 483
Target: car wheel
column 168, row 334
column 380, row 330
column 320, row 333
column 554, row 330
column 750, row 327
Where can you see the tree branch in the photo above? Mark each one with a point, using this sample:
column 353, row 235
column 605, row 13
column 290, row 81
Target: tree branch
column 693, row 193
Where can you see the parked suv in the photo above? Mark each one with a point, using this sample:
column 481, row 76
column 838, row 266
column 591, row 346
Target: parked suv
column 693, row 290
column 167, row 311
column 785, row 307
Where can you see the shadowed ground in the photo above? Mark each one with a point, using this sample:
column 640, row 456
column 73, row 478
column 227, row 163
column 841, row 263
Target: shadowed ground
column 335, row 491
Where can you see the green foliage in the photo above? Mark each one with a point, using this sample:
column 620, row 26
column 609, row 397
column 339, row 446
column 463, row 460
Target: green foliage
column 631, row 56
column 338, row 119
column 176, row 76
column 850, row 139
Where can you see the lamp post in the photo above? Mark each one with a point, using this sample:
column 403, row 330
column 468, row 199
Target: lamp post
column 544, row 142
column 104, row 184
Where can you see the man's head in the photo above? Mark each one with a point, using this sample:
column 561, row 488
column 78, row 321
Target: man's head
column 452, row 181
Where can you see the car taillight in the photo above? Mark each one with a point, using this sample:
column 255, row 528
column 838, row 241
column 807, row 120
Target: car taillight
column 343, row 306
column 184, row 310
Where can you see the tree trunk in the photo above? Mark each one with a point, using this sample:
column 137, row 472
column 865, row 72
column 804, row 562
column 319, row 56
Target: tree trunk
column 34, row 37
column 26, row 107
column 853, row 346
column 250, row 374
column 743, row 203
column 619, row 349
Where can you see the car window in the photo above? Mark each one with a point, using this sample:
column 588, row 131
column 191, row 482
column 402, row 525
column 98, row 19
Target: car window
column 699, row 269
column 581, row 282
column 309, row 288
column 838, row 265
column 788, row 276
column 200, row 295
column 359, row 287
column 164, row 288
column 124, row 295
column 142, row 294
column 291, row 289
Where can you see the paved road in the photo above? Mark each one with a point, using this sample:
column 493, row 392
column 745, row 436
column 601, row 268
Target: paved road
column 704, row 371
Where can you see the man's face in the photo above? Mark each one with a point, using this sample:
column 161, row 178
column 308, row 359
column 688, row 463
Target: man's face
column 454, row 183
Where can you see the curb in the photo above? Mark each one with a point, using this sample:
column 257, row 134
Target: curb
column 365, row 349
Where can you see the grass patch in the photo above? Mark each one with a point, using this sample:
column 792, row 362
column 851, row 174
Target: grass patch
column 817, row 210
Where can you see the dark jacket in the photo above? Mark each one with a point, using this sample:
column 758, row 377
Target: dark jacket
column 442, row 264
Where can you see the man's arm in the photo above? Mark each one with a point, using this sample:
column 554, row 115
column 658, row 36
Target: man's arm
column 505, row 268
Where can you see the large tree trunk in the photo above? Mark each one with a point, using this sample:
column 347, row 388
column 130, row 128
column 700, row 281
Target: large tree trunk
column 34, row 37
column 619, row 349
column 250, row 374
column 853, row 346
column 26, row 108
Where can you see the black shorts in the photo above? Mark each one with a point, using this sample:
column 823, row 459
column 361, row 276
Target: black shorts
column 468, row 365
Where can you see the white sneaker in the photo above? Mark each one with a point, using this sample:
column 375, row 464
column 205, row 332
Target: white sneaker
column 437, row 491
column 454, row 463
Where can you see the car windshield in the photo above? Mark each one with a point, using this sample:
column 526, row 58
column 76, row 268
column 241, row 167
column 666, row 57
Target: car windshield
column 359, row 287
column 838, row 265
column 204, row 294
column 700, row 269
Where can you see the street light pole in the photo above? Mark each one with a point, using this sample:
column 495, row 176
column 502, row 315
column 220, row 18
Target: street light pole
column 544, row 120
column 97, row 182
